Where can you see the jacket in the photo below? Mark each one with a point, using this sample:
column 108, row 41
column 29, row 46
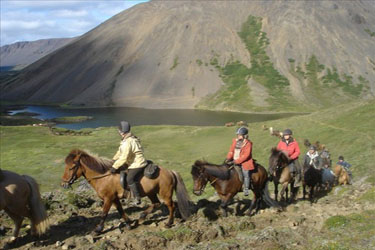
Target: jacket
column 130, row 152
column 245, row 159
column 291, row 148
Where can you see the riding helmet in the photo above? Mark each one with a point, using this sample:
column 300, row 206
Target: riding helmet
column 124, row 127
column 242, row 131
column 287, row 132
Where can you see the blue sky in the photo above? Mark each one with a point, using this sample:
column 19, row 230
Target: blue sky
column 33, row 20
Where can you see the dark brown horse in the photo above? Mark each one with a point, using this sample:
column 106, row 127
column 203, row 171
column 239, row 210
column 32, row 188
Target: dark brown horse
column 280, row 173
column 107, row 186
column 227, row 183
column 312, row 179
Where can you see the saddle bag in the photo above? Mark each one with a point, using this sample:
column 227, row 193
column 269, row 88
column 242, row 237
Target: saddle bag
column 151, row 170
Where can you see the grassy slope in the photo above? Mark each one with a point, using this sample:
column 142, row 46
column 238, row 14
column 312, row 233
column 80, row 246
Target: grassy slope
column 346, row 130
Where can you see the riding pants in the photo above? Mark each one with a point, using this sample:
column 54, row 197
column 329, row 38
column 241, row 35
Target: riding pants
column 246, row 177
column 134, row 175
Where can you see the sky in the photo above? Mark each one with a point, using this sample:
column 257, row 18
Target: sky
column 33, row 20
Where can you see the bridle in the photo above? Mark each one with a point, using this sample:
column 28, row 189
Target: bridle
column 75, row 168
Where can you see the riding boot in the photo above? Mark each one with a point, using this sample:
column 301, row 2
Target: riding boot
column 134, row 189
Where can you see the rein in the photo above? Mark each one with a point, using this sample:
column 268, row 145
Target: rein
column 98, row 177
column 74, row 176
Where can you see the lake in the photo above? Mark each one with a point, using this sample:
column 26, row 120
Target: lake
column 111, row 116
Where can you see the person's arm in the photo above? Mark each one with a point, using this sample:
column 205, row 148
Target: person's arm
column 123, row 157
column 279, row 146
column 117, row 155
column 296, row 152
column 231, row 150
column 245, row 156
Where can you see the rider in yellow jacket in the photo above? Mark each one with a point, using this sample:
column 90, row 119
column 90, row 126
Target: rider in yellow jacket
column 130, row 154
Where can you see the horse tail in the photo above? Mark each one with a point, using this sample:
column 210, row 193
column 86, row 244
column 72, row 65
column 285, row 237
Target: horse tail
column 38, row 211
column 266, row 197
column 183, row 200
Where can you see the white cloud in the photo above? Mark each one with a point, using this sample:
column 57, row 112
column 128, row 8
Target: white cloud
column 33, row 20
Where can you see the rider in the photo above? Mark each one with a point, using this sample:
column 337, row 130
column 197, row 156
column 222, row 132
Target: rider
column 240, row 153
column 345, row 165
column 312, row 158
column 130, row 153
column 290, row 146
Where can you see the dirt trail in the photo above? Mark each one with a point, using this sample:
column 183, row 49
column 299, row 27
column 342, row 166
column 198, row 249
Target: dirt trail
column 296, row 227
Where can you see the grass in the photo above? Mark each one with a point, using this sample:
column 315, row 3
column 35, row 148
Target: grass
column 71, row 119
column 175, row 63
column 371, row 33
column 346, row 130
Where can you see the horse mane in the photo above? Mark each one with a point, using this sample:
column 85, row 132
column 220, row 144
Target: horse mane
column 278, row 153
column 219, row 171
column 92, row 161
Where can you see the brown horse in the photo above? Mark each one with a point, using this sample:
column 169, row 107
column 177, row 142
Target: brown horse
column 227, row 183
column 280, row 173
column 108, row 187
column 20, row 197
column 342, row 176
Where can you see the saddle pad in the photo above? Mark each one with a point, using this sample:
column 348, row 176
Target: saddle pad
column 151, row 170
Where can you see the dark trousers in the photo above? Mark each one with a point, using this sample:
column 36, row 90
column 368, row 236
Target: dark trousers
column 134, row 175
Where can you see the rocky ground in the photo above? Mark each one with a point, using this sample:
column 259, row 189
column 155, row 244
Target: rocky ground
column 338, row 220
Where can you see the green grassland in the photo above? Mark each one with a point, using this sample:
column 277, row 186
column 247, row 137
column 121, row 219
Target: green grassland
column 346, row 130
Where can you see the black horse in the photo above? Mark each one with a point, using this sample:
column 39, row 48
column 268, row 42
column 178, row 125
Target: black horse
column 312, row 179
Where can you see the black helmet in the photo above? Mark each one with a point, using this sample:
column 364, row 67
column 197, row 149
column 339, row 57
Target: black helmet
column 312, row 147
column 341, row 157
column 287, row 132
column 124, row 127
column 242, row 131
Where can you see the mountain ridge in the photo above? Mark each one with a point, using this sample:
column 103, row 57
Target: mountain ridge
column 177, row 55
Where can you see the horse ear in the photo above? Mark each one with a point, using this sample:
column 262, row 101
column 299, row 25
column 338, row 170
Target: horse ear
column 273, row 149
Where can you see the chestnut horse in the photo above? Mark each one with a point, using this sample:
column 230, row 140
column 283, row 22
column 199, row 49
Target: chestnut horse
column 342, row 176
column 108, row 187
column 20, row 197
column 280, row 173
column 225, row 180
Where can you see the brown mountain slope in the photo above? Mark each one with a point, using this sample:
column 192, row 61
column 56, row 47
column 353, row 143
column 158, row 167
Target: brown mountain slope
column 172, row 54
column 25, row 53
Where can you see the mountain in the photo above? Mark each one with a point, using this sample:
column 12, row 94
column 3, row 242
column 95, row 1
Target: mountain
column 224, row 55
column 25, row 53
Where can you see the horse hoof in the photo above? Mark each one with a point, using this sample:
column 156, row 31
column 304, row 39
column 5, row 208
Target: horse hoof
column 168, row 225
column 98, row 229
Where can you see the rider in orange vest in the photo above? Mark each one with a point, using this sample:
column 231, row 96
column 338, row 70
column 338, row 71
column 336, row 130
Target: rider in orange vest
column 240, row 153
column 291, row 148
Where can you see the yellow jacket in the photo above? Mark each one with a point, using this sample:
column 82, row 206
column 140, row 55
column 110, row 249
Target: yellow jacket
column 130, row 152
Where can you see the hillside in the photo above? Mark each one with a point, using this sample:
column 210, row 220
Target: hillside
column 22, row 54
column 227, row 55
column 340, row 219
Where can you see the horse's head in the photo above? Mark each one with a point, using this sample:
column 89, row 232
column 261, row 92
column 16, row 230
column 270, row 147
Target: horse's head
column 73, row 168
column 200, row 177
column 277, row 161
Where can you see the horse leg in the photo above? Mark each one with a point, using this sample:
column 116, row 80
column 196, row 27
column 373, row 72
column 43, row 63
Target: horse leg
column 311, row 193
column 170, row 204
column 276, row 190
column 224, row 204
column 304, row 191
column 253, row 204
column 107, row 205
column 17, row 224
column 285, row 187
column 122, row 213
column 155, row 204
column 287, row 193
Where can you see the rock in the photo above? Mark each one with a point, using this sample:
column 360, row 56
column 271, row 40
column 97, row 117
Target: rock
column 65, row 247
column 58, row 244
column 89, row 238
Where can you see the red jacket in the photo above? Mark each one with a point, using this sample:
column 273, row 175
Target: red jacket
column 246, row 158
column 292, row 148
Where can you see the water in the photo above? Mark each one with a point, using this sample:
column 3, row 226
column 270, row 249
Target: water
column 104, row 117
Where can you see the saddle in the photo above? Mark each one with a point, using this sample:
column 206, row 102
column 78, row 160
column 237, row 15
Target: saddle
column 151, row 171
